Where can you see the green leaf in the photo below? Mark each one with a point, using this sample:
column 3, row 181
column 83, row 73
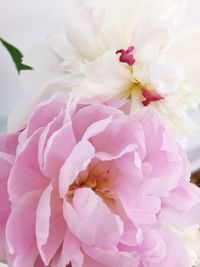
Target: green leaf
column 16, row 56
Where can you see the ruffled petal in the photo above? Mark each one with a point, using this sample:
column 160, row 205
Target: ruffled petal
column 50, row 226
column 20, row 233
column 87, row 208
column 26, row 175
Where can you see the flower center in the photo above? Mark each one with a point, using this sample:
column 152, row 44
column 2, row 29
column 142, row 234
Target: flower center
column 147, row 93
column 98, row 183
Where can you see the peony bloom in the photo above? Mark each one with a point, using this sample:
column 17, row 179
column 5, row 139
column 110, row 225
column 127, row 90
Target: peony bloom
column 191, row 238
column 137, row 49
column 91, row 185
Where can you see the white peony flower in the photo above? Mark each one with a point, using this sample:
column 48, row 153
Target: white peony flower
column 138, row 49
column 191, row 238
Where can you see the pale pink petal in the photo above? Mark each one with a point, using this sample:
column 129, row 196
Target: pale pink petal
column 42, row 218
column 182, row 206
column 155, row 135
column 112, row 258
column 8, row 143
column 71, row 252
column 26, row 259
column 91, row 114
column 182, row 198
column 175, row 255
column 163, row 156
column 77, row 161
column 50, row 226
column 108, row 227
column 186, row 167
column 45, row 112
column 139, row 206
column 20, row 230
column 6, row 162
column 124, row 168
column 172, row 216
column 120, row 132
column 112, row 155
column 120, row 104
column 132, row 235
column 53, row 126
column 96, row 128
column 153, row 247
column 88, row 262
column 192, row 216
column 58, row 148
column 25, row 175
column 141, row 209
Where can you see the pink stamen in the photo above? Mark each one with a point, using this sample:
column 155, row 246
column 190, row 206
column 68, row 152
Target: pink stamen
column 126, row 56
column 99, row 177
column 150, row 97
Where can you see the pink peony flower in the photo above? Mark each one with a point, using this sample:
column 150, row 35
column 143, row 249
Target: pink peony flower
column 91, row 186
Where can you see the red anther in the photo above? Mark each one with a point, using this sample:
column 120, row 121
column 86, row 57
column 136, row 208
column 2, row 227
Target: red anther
column 150, row 96
column 127, row 56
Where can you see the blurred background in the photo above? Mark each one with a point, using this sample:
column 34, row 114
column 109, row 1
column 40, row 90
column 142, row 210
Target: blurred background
column 24, row 23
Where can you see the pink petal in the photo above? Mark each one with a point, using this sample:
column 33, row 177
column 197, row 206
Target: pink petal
column 132, row 235
column 153, row 248
column 6, row 162
column 182, row 199
column 90, row 208
column 50, row 226
column 88, row 262
column 111, row 257
column 25, row 175
column 91, row 114
column 71, row 252
column 153, row 128
column 175, row 255
column 53, row 126
column 182, row 206
column 8, row 143
column 127, row 172
column 20, row 230
column 45, row 113
column 108, row 156
column 178, row 218
column 107, row 228
column 96, row 128
column 141, row 209
column 58, row 148
column 163, row 155
column 26, row 259
column 123, row 133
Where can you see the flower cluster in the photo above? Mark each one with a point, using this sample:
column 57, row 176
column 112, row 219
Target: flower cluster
column 87, row 184
column 90, row 173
